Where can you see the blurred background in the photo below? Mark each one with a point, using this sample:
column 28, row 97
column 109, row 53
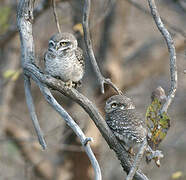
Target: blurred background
column 129, row 49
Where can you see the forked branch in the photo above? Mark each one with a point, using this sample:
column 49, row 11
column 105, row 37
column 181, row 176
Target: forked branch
column 88, row 44
column 24, row 22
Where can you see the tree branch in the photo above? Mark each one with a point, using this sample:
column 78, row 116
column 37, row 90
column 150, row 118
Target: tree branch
column 88, row 44
column 171, row 26
column 24, row 21
column 56, row 16
column 172, row 52
column 137, row 160
column 32, row 71
column 71, row 123
column 33, row 115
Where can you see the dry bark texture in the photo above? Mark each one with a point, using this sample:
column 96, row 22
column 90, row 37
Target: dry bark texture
column 136, row 59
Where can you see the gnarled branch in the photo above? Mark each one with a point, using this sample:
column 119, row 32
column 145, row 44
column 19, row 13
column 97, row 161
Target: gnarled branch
column 24, row 21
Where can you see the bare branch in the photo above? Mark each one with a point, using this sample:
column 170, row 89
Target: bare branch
column 33, row 115
column 56, row 16
column 25, row 17
column 32, row 71
column 89, row 49
column 171, row 26
column 27, row 47
column 172, row 52
column 51, row 100
column 137, row 160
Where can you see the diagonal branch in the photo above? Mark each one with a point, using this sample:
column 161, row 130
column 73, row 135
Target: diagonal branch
column 137, row 160
column 32, row 71
column 88, row 44
column 172, row 53
column 24, row 19
column 71, row 123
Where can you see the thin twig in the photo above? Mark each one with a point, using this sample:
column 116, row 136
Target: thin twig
column 137, row 160
column 172, row 52
column 24, row 19
column 71, row 123
column 88, row 44
column 56, row 16
column 33, row 115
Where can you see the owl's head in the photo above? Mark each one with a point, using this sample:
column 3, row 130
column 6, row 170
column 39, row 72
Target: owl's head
column 118, row 102
column 62, row 43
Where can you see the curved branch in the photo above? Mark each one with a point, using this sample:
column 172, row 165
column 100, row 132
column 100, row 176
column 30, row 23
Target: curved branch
column 32, row 71
column 172, row 27
column 25, row 18
column 33, row 115
column 170, row 44
column 27, row 46
column 71, row 123
column 88, row 44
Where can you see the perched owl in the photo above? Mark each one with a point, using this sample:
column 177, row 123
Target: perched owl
column 125, row 122
column 64, row 59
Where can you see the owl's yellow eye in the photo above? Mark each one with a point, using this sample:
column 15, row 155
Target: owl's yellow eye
column 113, row 105
column 63, row 43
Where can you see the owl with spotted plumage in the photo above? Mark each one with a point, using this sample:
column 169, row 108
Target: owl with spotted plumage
column 64, row 59
column 126, row 124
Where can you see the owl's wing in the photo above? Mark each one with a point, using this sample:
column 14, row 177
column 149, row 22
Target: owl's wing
column 80, row 57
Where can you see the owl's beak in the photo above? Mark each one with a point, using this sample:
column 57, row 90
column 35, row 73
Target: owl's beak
column 57, row 47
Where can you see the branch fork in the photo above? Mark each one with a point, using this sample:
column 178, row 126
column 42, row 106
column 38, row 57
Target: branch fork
column 24, row 21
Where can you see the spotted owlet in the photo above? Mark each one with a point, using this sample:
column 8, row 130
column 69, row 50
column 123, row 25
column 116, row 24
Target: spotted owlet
column 64, row 59
column 125, row 122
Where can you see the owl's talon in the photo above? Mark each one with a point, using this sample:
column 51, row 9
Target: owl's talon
column 131, row 151
column 69, row 84
column 156, row 155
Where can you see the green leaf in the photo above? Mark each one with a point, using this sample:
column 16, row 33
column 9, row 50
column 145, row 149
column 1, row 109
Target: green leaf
column 157, row 125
